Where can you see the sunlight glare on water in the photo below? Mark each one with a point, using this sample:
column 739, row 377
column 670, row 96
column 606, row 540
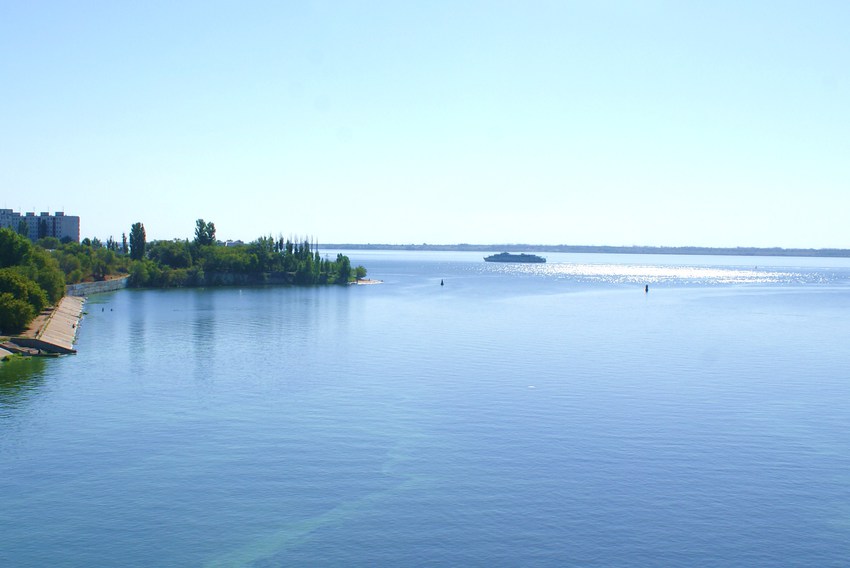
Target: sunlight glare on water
column 647, row 273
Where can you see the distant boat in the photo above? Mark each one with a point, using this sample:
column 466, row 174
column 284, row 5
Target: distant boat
column 508, row 257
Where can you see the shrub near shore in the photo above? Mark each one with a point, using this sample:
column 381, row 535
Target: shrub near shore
column 30, row 280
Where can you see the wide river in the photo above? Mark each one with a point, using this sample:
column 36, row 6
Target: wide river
column 518, row 415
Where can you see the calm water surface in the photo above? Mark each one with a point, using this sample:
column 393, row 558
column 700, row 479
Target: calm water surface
column 519, row 415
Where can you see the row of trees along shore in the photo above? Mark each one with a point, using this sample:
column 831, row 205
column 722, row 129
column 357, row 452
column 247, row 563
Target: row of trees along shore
column 33, row 276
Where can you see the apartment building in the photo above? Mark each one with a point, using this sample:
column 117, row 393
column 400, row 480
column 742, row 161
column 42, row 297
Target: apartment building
column 44, row 224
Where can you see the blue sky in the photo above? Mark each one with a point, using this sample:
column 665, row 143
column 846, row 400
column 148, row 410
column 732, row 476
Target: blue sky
column 608, row 123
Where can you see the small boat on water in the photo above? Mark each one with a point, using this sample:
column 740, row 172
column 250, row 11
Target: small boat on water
column 508, row 257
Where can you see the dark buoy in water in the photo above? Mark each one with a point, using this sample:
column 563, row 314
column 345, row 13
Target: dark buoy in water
column 441, row 282
column 646, row 290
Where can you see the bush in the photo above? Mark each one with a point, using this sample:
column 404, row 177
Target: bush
column 21, row 287
column 175, row 254
column 15, row 314
column 13, row 248
column 49, row 243
column 44, row 269
column 173, row 277
column 195, row 276
column 139, row 274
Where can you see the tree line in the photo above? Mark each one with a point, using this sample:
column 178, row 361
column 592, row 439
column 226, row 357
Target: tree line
column 204, row 261
column 33, row 276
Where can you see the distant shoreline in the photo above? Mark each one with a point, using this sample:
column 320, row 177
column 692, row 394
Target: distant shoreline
column 713, row 251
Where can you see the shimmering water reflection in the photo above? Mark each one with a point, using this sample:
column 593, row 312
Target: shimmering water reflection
column 650, row 274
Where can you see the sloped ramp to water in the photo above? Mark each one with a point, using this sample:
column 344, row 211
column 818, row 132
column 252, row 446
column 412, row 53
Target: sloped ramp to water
column 58, row 331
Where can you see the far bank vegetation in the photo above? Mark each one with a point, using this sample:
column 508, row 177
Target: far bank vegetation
column 207, row 262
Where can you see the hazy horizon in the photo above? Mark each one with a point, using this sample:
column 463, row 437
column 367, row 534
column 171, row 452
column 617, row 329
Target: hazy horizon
column 531, row 244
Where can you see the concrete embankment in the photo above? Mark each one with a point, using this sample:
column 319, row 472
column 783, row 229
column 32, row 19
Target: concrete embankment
column 89, row 288
column 57, row 332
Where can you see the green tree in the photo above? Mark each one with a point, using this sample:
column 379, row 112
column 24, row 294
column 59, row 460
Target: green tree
column 23, row 229
column 15, row 314
column 30, row 279
column 44, row 270
column 267, row 258
column 137, row 241
column 343, row 269
column 49, row 243
column 14, row 248
column 124, row 243
column 175, row 254
column 103, row 263
column 204, row 233
column 21, row 287
column 71, row 266
column 195, row 276
column 75, row 260
column 139, row 274
column 32, row 262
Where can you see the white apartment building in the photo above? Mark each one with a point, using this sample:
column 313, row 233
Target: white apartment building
column 44, row 224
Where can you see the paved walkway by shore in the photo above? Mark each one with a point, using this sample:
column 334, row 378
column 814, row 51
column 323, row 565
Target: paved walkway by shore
column 57, row 330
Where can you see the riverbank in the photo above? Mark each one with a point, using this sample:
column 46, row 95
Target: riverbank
column 55, row 329
column 111, row 284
